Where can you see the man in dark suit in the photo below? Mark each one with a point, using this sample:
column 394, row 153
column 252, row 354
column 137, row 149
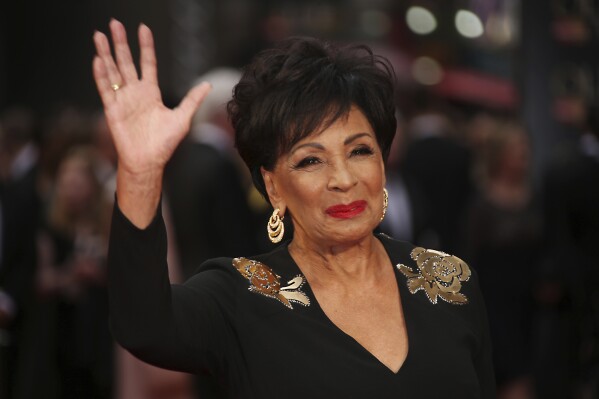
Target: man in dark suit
column 440, row 165
column 207, row 187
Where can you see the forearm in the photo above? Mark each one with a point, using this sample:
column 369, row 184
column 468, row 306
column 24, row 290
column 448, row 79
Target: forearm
column 142, row 315
column 145, row 318
column 138, row 285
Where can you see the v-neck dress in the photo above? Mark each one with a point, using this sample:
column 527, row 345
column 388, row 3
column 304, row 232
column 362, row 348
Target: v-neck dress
column 259, row 346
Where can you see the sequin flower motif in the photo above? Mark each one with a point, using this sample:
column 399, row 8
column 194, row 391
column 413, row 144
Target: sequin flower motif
column 440, row 275
column 264, row 281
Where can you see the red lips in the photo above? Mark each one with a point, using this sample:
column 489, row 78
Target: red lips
column 346, row 211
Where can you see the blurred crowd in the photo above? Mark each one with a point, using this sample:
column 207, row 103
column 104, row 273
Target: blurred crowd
column 459, row 181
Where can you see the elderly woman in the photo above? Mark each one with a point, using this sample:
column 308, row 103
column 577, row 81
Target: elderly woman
column 337, row 311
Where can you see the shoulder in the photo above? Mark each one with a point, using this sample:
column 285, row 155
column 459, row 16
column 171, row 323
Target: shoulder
column 228, row 273
column 273, row 275
column 277, row 258
column 396, row 249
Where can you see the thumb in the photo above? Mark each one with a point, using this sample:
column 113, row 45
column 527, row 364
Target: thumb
column 193, row 99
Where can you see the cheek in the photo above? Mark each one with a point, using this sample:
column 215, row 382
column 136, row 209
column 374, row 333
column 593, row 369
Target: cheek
column 305, row 192
column 371, row 173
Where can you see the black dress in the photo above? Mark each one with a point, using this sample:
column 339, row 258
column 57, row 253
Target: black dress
column 265, row 338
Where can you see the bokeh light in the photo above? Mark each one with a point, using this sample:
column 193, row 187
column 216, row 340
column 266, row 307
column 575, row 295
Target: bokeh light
column 427, row 71
column 468, row 24
column 420, row 20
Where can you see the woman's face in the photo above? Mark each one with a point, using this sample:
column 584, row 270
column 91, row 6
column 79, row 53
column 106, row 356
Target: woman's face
column 331, row 183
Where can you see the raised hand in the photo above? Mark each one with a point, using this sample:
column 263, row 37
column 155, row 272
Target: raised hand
column 144, row 130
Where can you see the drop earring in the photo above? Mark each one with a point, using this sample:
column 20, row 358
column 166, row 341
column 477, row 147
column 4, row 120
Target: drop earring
column 385, row 203
column 275, row 227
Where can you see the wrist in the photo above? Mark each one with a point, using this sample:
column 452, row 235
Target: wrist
column 138, row 195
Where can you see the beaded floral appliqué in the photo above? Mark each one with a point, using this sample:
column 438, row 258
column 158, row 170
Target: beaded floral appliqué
column 440, row 275
column 264, row 281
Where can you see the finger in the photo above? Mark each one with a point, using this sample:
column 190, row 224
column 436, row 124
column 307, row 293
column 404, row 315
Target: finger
column 147, row 54
column 103, row 50
column 102, row 81
column 192, row 100
column 122, row 51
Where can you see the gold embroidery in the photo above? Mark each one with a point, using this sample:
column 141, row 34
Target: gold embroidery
column 439, row 275
column 264, row 281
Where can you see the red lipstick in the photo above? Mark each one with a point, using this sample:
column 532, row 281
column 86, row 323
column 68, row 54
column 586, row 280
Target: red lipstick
column 346, row 211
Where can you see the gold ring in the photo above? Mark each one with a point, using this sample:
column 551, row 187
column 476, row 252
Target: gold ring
column 115, row 86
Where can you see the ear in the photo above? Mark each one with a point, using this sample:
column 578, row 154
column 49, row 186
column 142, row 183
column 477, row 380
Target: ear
column 274, row 196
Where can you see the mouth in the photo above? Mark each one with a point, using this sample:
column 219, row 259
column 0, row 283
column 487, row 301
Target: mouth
column 346, row 211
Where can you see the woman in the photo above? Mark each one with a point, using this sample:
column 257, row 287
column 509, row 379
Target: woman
column 336, row 312
column 72, row 280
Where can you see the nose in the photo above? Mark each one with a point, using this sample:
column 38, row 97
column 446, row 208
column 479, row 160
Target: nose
column 342, row 176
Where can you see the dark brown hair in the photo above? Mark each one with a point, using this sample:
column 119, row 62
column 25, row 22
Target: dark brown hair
column 302, row 85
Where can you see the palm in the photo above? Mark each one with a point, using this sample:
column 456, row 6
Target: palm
column 144, row 130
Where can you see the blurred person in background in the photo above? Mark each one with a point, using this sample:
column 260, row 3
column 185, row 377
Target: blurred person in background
column 205, row 187
column 19, row 221
column 211, row 126
column 568, row 294
column 71, row 278
column 505, row 236
column 439, row 163
column 63, row 128
column 407, row 216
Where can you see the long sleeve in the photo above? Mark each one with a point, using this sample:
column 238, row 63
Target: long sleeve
column 180, row 327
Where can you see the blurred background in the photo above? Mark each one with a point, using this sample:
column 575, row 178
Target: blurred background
column 496, row 160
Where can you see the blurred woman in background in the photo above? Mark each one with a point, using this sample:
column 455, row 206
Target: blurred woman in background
column 72, row 276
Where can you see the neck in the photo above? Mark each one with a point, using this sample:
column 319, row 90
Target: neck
column 345, row 264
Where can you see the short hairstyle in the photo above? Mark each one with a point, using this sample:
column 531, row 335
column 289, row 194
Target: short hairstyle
column 304, row 84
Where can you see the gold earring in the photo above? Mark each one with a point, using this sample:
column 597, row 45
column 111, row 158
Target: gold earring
column 385, row 203
column 275, row 227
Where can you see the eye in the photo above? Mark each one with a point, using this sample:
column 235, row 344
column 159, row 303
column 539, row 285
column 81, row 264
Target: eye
column 362, row 150
column 308, row 161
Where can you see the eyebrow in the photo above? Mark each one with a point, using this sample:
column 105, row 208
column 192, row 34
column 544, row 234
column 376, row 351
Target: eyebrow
column 319, row 146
